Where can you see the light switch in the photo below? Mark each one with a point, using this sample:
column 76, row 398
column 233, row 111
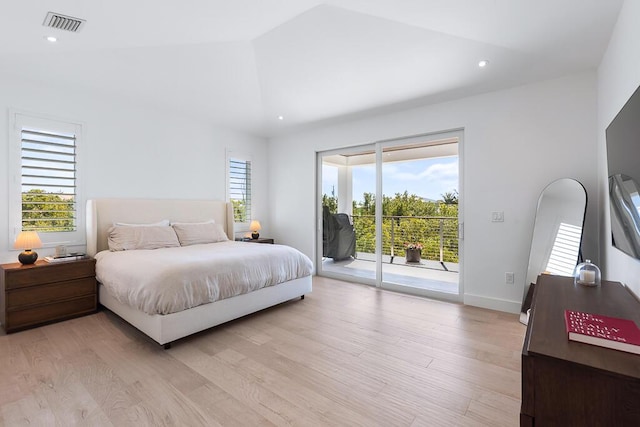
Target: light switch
column 497, row 216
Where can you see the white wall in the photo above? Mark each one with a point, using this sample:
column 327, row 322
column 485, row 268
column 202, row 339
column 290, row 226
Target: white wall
column 618, row 78
column 515, row 143
column 133, row 151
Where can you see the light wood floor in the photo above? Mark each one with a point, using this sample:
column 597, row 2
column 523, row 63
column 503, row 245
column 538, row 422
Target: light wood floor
column 345, row 355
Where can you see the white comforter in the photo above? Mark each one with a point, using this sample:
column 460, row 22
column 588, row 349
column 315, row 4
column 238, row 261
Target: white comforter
column 168, row 280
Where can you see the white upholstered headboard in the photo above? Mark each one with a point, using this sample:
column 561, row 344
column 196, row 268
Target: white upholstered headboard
column 102, row 213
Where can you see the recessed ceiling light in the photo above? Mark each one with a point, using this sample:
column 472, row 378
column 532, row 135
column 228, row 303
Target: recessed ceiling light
column 280, row 118
column 483, row 63
column 51, row 39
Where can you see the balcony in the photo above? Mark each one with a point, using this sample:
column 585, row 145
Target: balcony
column 438, row 267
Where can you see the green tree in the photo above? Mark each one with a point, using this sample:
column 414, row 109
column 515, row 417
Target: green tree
column 450, row 197
column 44, row 211
column 331, row 202
column 239, row 210
column 409, row 219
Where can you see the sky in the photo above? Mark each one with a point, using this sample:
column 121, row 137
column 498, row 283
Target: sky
column 427, row 178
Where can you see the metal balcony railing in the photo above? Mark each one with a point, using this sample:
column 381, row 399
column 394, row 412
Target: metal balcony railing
column 438, row 236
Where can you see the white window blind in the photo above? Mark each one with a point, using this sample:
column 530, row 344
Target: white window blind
column 566, row 246
column 48, row 181
column 240, row 189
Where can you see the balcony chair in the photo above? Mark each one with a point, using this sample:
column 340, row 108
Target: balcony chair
column 338, row 236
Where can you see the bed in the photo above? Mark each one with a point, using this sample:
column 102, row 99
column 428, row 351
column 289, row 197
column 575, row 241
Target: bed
column 170, row 323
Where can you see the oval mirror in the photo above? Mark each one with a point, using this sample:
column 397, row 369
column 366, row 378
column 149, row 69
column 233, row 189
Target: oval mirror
column 557, row 234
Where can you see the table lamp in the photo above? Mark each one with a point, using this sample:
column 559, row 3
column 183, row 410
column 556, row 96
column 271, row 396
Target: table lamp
column 27, row 240
column 255, row 227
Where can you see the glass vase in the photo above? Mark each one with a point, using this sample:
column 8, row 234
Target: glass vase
column 586, row 274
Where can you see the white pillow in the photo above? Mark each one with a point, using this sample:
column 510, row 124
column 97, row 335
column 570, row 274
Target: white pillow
column 210, row 221
column 163, row 223
column 126, row 238
column 199, row 233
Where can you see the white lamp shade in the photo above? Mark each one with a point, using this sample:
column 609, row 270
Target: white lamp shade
column 27, row 240
column 255, row 225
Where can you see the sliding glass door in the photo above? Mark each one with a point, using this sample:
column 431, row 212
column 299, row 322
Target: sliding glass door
column 389, row 214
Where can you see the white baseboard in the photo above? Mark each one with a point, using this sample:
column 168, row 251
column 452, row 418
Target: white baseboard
column 493, row 303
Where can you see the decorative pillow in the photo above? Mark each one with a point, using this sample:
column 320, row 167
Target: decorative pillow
column 126, row 238
column 199, row 232
column 163, row 223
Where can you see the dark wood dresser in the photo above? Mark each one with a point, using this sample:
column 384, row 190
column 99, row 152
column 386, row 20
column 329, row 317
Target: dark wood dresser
column 41, row 293
column 566, row 383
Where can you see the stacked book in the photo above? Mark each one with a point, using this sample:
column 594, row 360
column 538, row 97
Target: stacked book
column 65, row 258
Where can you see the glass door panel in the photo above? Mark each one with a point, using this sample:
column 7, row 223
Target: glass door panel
column 347, row 214
column 420, row 216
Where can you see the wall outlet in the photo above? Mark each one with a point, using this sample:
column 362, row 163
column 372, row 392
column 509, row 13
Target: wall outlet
column 509, row 278
column 497, row 216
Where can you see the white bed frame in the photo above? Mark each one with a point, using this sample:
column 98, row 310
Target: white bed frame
column 102, row 213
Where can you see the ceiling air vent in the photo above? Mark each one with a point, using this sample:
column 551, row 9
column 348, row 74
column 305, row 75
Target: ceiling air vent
column 63, row 22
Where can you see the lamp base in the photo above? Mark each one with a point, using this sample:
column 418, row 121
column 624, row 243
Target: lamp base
column 255, row 235
column 28, row 257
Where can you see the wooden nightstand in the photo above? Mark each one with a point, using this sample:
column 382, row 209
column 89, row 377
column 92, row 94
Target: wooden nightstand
column 45, row 292
column 261, row 240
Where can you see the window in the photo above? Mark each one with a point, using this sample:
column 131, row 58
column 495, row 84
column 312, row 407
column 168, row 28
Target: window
column 44, row 194
column 239, row 187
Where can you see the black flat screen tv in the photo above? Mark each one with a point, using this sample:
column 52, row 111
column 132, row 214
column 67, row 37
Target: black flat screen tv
column 623, row 161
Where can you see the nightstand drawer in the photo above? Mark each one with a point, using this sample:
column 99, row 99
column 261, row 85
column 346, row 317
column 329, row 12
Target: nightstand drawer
column 53, row 292
column 267, row 240
column 47, row 273
column 21, row 319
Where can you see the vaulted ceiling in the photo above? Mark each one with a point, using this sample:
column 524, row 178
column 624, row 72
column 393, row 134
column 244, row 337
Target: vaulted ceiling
column 243, row 63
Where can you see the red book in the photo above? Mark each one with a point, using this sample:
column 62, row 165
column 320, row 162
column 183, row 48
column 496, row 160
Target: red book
column 605, row 331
